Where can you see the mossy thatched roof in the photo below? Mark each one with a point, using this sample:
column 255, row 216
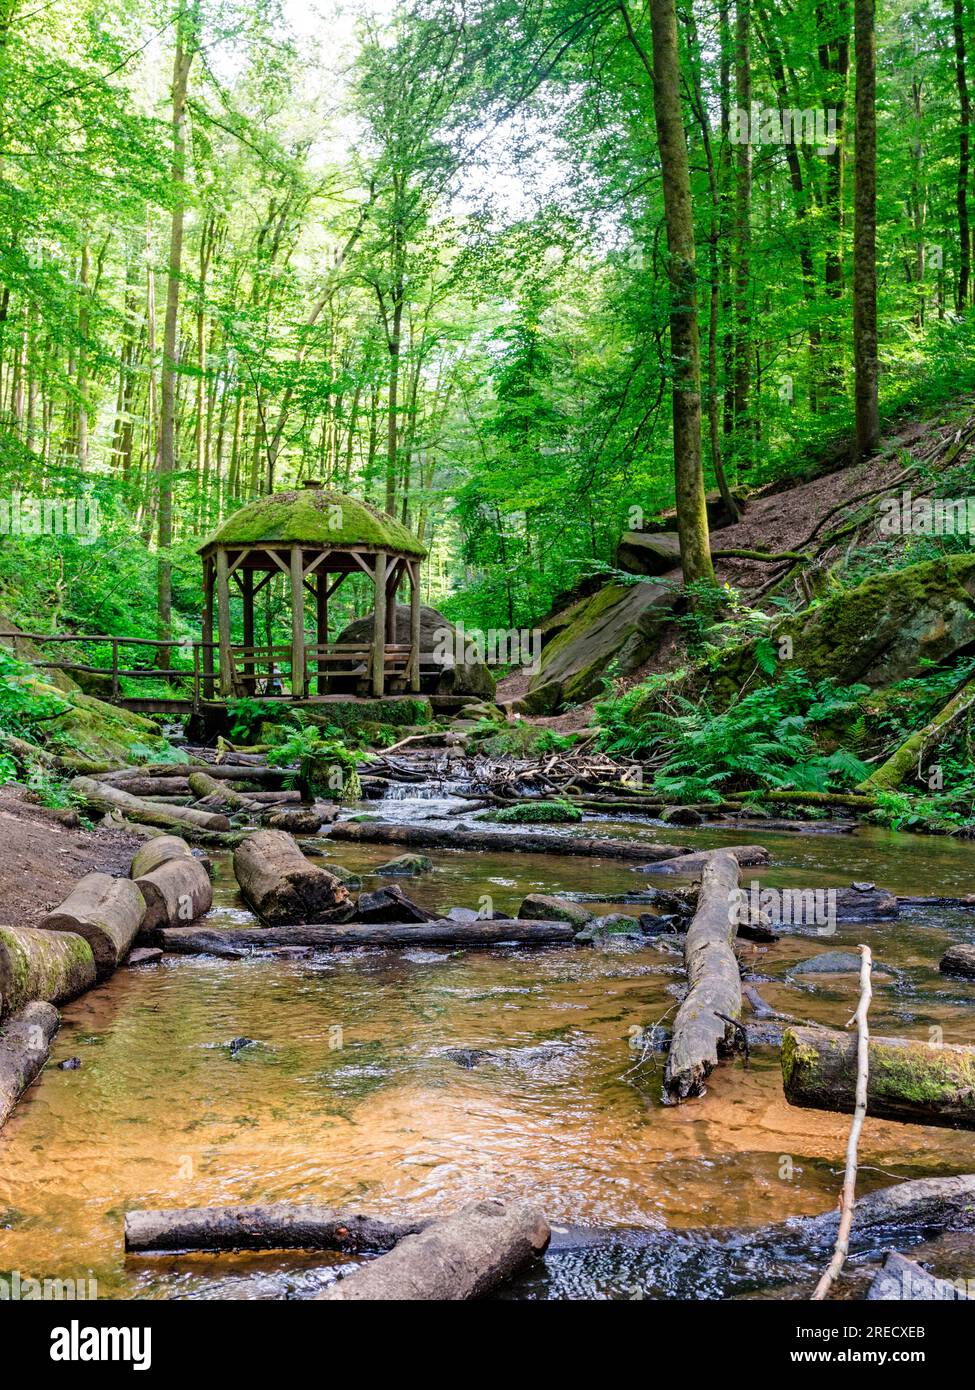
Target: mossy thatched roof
column 314, row 517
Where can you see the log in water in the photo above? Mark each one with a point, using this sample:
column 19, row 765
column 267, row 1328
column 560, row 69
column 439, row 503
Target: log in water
column 464, row 1256
column 524, row 840
column 48, row 965
column 236, row 941
column 909, row 1080
column 282, row 886
column 278, row 1226
column 176, row 892
column 701, row 1028
column 25, row 1041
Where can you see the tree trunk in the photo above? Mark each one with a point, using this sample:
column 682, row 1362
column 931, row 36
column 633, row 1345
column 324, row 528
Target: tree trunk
column 107, row 799
column 187, row 23
column 236, row 941
column 281, row 1226
column 964, row 123
column 176, row 892
column 25, row 1042
column 35, row 964
column 692, row 519
column 106, row 911
column 865, row 234
column 443, row 837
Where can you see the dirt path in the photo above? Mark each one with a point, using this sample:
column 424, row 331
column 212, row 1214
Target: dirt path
column 41, row 858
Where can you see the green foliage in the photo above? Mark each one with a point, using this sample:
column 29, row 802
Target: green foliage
column 25, row 706
column 767, row 740
column 326, row 768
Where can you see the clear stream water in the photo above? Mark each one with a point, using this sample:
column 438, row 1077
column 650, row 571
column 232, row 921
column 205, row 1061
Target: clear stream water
column 410, row 1081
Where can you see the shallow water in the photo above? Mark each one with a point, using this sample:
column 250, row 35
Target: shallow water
column 413, row 1080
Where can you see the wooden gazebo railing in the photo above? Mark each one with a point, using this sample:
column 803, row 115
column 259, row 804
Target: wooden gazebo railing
column 193, row 668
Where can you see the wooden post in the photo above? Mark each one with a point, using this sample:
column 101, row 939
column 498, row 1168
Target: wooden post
column 115, row 670
column 223, row 625
column 414, row 567
column 297, row 624
column 392, row 585
column 379, row 627
column 208, row 628
column 321, row 626
column 247, row 594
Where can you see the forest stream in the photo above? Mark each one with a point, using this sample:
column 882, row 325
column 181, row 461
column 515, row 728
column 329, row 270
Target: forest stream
column 407, row 1081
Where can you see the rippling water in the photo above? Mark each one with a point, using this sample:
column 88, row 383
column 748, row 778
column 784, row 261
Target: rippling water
column 414, row 1080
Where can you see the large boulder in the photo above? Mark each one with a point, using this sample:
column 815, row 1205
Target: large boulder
column 454, row 678
column 618, row 626
column 641, row 553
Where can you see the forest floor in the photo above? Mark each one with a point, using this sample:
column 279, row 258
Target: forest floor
column 43, row 858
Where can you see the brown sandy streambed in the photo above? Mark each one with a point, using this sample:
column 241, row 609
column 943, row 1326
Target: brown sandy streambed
column 419, row 1078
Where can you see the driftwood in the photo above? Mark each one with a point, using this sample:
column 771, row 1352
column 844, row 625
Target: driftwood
column 176, row 892
column 106, row 911
column 463, row 1256
column 236, row 941
column 281, row 885
column 915, row 1082
column 46, row 965
column 280, row 1226
column 848, row 1192
column 522, row 839
column 958, row 960
column 694, row 862
column 703, row 1024
column 106, row 798
column 25, row 1041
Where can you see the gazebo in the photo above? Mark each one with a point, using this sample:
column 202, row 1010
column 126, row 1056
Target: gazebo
column 317, row 538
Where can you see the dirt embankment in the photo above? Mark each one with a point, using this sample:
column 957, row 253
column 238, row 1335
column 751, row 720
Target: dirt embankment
column 41, row 859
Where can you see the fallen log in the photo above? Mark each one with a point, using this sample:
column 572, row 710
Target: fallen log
column 223, row 771
column 237, row 941
column 902, row 1280
column 281, row 885
column 218, row 795
column 157, row 852
column 106, row 798
column 280, row 1226
column 463, row 1256
column 151, row 786
column 907, row 758
column 176, row 892
column 694, row 862
column 25, row 1041
column 911, row 1081
column 106, row 911
column 525, row 841
column 47, row 965
column 702, row 1027
column 958, row 960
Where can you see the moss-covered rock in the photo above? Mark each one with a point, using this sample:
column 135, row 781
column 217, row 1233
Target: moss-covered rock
column 406, row 865
column 543, row 907
column 617, row 626
column 533, row 812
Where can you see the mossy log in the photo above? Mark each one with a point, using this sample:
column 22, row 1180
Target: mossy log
column 47, row 965
column 958, row 960
column 696, row 861
column 153, row 787
column 237, row 941
column 700, row 1031
column 854, row 801
column 229, row 772
column 907, row 758
column 281, row 885
column 219, row 794
column 108, row 799
column 464, row 1256
column 25, row 1041
column 277, row 1226
column 524, row 841
column 176, row 892
column 157, row 852
column 106, row 911
column 911, row 1081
